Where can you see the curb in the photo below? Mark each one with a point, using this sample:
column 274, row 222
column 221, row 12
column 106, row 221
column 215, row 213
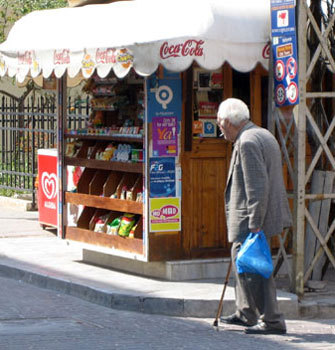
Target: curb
column 323, row 308
column 16, row 203
column 115, row 300
column 139, row 303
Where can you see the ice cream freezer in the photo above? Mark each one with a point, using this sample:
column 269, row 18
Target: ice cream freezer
column 47, row 187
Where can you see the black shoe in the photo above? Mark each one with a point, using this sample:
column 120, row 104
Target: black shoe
column 233, row 319
column 263, row 328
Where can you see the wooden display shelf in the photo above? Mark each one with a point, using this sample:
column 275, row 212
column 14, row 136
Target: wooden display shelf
column 126, row 167
column 105, row 138
column 133, row 245
column 121, row 205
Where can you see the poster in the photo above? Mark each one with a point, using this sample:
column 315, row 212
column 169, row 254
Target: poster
column 164, row 98
column 162, row 177
column 164, row 136
column 165, row 214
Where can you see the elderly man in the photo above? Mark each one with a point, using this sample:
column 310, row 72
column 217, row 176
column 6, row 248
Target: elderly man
column 255, row 199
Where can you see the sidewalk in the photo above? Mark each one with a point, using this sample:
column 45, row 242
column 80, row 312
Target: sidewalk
column 38, row 257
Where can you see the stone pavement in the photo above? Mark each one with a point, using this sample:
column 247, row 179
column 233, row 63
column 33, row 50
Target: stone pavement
column 33, row 318
column 29, row 254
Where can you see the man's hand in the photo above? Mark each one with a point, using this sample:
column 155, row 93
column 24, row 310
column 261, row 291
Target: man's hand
column 256, row 230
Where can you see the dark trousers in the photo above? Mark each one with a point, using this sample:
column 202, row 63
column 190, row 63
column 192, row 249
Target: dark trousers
column 256, row 296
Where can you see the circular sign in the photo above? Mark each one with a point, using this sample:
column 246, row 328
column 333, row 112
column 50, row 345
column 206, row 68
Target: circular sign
column 280, row 94
column 291, row 67
column 292, row 92
column 279, row 70
column 164, row 95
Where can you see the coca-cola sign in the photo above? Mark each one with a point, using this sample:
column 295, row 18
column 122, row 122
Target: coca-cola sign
column 105, row 56
column 266, row 51
column 190, row 47
column 25, row 58
column 62, row 57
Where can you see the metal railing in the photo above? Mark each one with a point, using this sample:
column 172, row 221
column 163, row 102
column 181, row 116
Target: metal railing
column 26, row 128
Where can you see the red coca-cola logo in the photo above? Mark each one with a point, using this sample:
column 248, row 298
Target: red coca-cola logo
column 62, row 57
column 25, row 58
column 266, row 51
column 105, row 56
column 188, row 48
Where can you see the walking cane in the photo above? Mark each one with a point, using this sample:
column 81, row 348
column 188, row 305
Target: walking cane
column 218, row 313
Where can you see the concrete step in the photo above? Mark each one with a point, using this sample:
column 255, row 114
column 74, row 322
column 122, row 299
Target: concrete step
column 179, row 270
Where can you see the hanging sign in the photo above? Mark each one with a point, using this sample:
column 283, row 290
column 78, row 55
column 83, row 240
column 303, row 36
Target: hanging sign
column 284, row 47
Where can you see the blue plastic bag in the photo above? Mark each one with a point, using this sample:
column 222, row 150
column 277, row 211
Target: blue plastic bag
column 255, row 256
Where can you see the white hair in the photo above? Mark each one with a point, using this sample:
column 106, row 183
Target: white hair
column 233, row 109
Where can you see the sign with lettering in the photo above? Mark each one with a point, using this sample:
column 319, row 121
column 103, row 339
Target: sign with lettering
column 62, row 57
column 189, row 47
column 164, row 136
column 164, row 97
column 282, row 17
column 165, row 214
column 162, row 177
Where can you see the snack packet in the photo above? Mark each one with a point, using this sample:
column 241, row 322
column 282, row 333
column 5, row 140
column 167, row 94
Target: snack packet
column 112, row 227
column 100, row 223
column 126, row 224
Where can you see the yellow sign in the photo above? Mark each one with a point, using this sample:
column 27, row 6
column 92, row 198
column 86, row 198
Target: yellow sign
column 165, row 214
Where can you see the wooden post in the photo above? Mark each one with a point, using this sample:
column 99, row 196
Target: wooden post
column 61, row 125
column 299, row 159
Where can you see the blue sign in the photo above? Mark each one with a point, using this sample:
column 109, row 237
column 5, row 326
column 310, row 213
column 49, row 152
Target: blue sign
column 285, row 70
column 164, row 98
column 282, row 17
column 284, row 48
column 170, row 75
column 162, row 177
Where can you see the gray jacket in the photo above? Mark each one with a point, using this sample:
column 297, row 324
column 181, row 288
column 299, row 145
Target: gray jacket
column 255, row 195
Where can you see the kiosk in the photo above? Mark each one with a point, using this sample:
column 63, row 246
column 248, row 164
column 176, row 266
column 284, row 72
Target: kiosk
column 154, row 168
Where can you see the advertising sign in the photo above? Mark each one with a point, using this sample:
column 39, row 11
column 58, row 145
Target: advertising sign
column 47, row 187
column 164, row 98
column 165, row 214
column 164, row 136
column 162, row 177
column 284, row 47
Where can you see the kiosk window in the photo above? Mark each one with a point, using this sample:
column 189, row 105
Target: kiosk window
column 207, row 95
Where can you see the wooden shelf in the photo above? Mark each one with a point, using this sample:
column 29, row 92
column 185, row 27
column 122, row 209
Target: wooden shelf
column 127, row 167
column 121, row 205
column 133, row 245
column 105, row 138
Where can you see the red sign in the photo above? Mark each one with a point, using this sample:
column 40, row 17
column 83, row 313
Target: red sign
column 188, row 48
column 47, row 187
column 266, row 51
column 166, row 211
